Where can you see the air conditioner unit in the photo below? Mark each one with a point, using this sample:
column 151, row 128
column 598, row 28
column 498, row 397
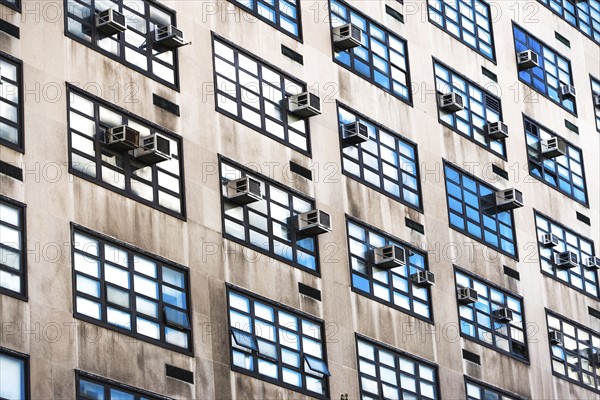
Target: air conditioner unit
column 554, row 147
column 566, row 260
column 346, row 37
column 527, row 59
column 122, row 138
column 497, row 130
column 355, row 133
column 567, row 92
column 504, row 315
column 391, row 256
column 423, row 278
column 592, row 263
column 555, row 337
column 597, row 101
column 467, row 295
column 110, row 22
column 304, row 105
column 244, row 190
column 451, row 102
column 153, row 149
column 508, row 199
column 314, row 222
column 549, row 240
column 168, row 37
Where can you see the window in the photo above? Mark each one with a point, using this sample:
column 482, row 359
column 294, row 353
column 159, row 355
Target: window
column 267, row 225
column 386, row 162
column 14, row 4
column 282, row 14
column 467, row 20
column 596, row 94
column 94, row 387
column 12, row 248
column 277, row 344
column 158, row 185
column 564, row 173
column 133, row 292
column 253, row 93
column 11, row 102
column 585, row 15
column 575, row 357
column 553, row 71
column 579, row 278
column 470, row 213
column 393, row 286
column 132, row 47
column 14, row 375
column 480, row 391
column 481, row 322
column 387, row 373
column 480, row 108
column 382, row 57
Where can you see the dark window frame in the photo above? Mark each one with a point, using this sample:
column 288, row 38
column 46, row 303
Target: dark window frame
column 277, row 306
column 112, row 384
column 104, row 239
column 595, row 110
column 20, row 125
column 23, row 295
column 486, row 386
column 15, row 6
column 380, row 127
column 577, row 24
column 26, row 367
column 255, row 14
column 408, row 248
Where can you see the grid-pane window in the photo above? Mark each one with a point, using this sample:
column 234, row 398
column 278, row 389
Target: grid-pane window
column 480, row 108
column 553, row 71
column 267, row 225
column 564, row 173
column 596, row 94
column 575, row 355
column 13, row 375
column 382, row 57
column 133, row 47
column 392, row 286
column 385, row 162
column 482, row 321
column 580, row 278
column 134, row 293
column 480, row 391
column 283, row 14
column 255, row 93
column 91, row 387
column 386, row 373
column 14, row 4
column 277, row 344
column 467, row 20
column 11, row 102
column 584, row 15
column 470, row 211
column 157, row 184
column 12, row 248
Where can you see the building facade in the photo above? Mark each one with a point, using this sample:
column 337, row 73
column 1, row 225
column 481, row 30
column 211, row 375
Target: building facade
column 285, row 199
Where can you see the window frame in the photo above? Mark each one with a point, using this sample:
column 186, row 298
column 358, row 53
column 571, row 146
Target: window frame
column 408, row 248
column 121, row 59
column 397, row 137
column 23, row 295
column 506, row 395
column 257, row 15
column 277, row 306
column 596, row 111
column 25, row 358
column 542, row 164
column 112, row 384
column 20, row 145
column 15, row 6
column 102, row 323
column 577, row 24
column 126, row 192
column 505, row 292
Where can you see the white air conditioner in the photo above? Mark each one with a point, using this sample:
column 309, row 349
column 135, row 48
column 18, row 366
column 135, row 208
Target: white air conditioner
column 509, row 199
column 503, row 315
column 549, row 240
column 314, row 223
column 555, row 337
column 592, row 263
column 451, row 102
column 304, row 105
column 168, row 37
column 527, row 59
column 355, row 133
column 467, row 295
column 567, row 92
column 110, row 22
column 347, row 37
column 597, row 101
column 153, row 149
column 423, row 278
column 390, row 256
column 244, row 190
column 554, row 147
column 497, row 130
column 566, row 260
column 122, row 138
